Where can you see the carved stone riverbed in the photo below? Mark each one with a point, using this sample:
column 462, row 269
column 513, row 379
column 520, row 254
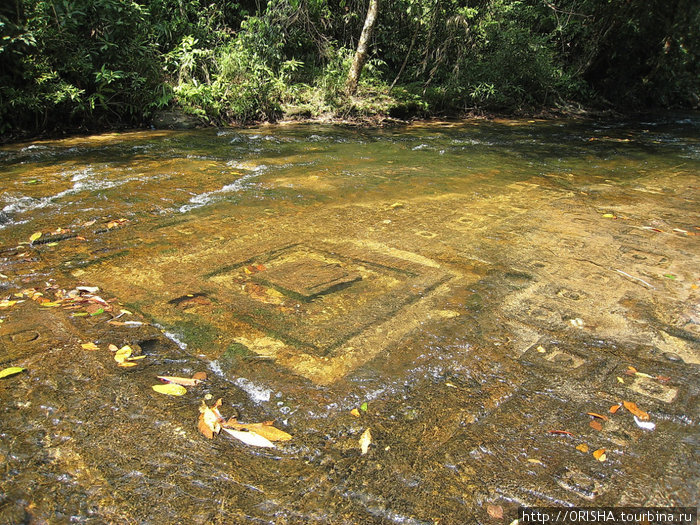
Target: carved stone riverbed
column 474, row 290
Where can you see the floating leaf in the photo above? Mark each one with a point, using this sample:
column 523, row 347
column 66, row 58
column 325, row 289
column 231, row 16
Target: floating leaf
column 582, row 448
column 90, row 346
column 210, row 419
column 10, row 371
column 599, row 416
column 600, row 455
column 635, row 410
column 250, row 438
column 34, row 236
column 170, row 389
column 184, row 381
column 365, row 441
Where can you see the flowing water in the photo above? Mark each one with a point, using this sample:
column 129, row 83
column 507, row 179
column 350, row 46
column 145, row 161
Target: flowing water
column 469, row 292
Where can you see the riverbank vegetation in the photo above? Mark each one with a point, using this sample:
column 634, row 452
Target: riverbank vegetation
column 78, row 64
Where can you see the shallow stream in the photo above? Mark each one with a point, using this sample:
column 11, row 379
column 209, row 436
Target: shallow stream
column 479, row 295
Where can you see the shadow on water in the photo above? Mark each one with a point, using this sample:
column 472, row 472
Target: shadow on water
column 452, row 320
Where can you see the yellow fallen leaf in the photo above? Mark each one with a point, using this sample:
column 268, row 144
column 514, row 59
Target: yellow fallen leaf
column 582, row 448
column 126, row 364
column 600, row 455
column 7, row 304
column 170, row 389
column 365, row 441
column 355, row 412
column 34, row 236
column 122, row 354
column 6, row 372
column 90, row 346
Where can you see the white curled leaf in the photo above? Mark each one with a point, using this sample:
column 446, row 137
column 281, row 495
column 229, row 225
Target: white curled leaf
column 646, row 425
column 250, row 438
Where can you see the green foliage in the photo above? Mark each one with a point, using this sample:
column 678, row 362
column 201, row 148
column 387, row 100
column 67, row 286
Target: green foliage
column 95, row 63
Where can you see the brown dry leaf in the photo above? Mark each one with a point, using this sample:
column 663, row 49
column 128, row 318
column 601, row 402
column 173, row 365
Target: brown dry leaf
column 89, row 346
column 582, row 448
column 599, row 416
column 202, row 376
column 264, row 429
column 560, row 432
column 210, row 419
column 184, row 381
column 495, row 511
column 596, row 425
column 615, row 408
column 635, row 410
column 600, row 455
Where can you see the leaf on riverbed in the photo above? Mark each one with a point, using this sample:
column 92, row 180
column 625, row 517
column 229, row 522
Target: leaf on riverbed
column 7, row 304
column 495, row 511
column 170, row 389
column 202, row 376
column 636, row 411
column 365, row 441
column 560, row 432
column 250, row 438
column 89, row 346
column 596, row 425
column 123, row 354
column 615, row 408
column 355, row 412
column 210, row 419
column 184, row 381
column 10, row 371
column 582, row 448
column 600, row 455
column 646, row 425
column 264, row 429
column 34, row 236
column 599, row 416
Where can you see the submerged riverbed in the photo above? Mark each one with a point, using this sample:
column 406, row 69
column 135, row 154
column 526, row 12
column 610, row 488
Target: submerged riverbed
column 510, row 307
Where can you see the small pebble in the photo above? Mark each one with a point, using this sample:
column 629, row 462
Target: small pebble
column 671, row 356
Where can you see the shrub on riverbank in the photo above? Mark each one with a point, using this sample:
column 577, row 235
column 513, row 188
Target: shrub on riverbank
column 97, row 63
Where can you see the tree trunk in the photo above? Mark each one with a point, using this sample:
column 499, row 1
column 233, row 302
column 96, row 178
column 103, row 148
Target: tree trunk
column 361, row 54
